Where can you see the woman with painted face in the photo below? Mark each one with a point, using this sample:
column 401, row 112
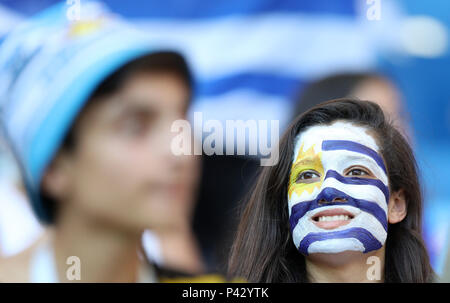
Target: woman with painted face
column 343, row 204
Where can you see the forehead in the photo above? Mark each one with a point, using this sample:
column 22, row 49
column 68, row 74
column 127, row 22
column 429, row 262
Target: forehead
column 340, row 131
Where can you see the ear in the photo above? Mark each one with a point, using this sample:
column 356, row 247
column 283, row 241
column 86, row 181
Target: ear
column 56, row 179
column 397, row 207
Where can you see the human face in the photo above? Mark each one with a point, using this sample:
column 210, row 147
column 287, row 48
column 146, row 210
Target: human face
column 387, row 96
column 338, row 190
column 122, row 170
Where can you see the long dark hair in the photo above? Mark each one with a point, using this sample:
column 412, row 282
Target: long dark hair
column 263, row 250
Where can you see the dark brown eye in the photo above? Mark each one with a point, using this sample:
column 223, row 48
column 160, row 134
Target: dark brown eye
column 133, row 127
column 357, row 172
column 308, row 177
column 135, row 121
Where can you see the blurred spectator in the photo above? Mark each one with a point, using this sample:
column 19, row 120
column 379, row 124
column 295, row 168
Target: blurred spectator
column 364, row 86
column 87, row 108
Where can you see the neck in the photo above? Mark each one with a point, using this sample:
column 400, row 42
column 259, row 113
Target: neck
column 346, row 267
column 106, row 254
column 181, row 252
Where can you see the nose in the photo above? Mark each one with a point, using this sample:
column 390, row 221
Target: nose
column 337, row 199
column 331, row 195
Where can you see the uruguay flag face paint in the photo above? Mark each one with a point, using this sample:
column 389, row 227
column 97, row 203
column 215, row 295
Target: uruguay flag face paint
column 338, row 190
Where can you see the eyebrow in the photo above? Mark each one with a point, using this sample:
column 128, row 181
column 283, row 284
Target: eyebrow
column 354, row 147
column 305, row 161
column 132, row 105
column 133, row 108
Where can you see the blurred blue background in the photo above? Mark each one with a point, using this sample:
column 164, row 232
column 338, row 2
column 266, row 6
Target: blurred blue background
column 250, row 58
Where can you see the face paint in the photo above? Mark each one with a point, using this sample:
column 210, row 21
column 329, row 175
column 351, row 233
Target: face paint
column 333, row 205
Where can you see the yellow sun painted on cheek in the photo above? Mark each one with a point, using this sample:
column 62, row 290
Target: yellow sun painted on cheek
column 306, row 160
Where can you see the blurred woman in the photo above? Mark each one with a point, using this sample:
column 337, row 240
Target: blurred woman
column 87, row 109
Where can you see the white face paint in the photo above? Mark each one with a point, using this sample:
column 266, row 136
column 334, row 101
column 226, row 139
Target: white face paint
column 338, row 190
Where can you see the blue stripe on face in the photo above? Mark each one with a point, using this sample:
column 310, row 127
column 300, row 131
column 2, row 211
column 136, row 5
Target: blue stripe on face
column 364, row 236
column 328, row 194
column 359, row 181
column 354, row 147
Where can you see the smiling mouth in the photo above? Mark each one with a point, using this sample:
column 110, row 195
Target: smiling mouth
column 332, row 218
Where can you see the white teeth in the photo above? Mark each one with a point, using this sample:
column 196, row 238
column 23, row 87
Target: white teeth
column 333, row 218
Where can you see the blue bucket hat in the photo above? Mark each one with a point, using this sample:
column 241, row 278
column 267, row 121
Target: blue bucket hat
column 49, row 67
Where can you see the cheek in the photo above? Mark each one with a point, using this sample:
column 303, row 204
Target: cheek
column 110, row 171
column 126, row 163
column 303, row 192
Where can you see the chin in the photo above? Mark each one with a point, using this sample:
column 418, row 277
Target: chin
column 337, row 259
